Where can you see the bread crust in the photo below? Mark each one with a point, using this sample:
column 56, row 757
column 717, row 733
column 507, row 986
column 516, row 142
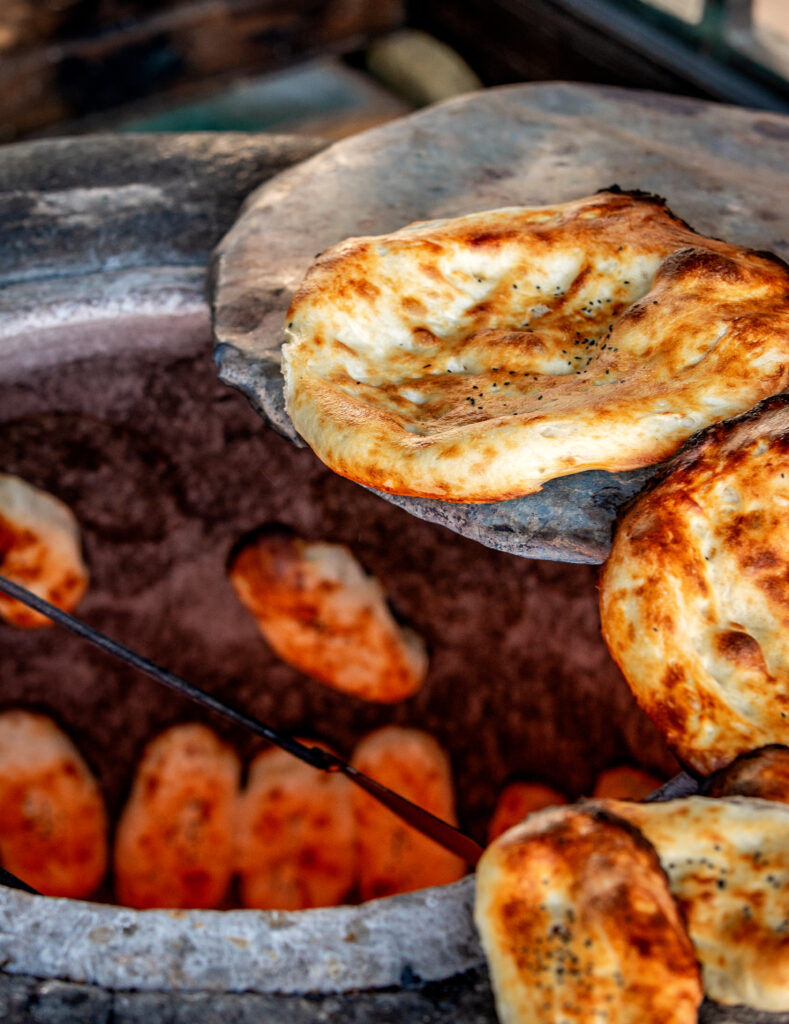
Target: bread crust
column 321, row 612
column 294, row 835
column 474, row 359
column 53, row 822
column 174, row 841
column 694, row 598
column 578, row 924
column 726, row 864
column 391, row 856
column 39, row 549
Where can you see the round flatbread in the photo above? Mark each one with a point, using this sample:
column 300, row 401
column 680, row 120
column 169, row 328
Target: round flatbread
column 694, row 596
column 474, row 359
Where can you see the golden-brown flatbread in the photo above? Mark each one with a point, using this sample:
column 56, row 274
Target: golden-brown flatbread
column 726, row 860
column 694, row 597
column 473, row 359
column 174, row 842
column 578, row 925
column 53, row 823
column 762, row 773
column 294, row 835
column 39, row 549
column 518, row 799
column 321, row 612
column 391, row 856
column 626, row 782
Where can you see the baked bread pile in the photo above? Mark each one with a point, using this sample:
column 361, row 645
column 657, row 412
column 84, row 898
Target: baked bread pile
column 693, row 602
column 628, row 911
column 474, row 359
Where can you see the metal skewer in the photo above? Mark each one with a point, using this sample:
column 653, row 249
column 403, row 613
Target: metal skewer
column 423, row 821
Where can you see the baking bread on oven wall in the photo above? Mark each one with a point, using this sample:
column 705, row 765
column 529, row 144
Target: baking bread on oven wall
column 174, row 841
column 53, row 823
column 392, row 857
column 294, row 835
column 39, row 549
column 320, row 611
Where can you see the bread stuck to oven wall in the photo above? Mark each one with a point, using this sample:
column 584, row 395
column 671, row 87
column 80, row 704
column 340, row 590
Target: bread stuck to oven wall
column 391, row 856
column 53, row 822
column 39, row 549
column 294, row 835
column 174, row 841
column 323, row 614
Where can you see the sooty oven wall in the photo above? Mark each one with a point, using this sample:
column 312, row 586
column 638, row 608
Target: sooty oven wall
column 165, row 467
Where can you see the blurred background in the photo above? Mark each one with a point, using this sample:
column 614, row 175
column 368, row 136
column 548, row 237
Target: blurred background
column 333, row 67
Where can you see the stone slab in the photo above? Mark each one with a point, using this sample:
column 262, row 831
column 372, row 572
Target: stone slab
column 722, row 169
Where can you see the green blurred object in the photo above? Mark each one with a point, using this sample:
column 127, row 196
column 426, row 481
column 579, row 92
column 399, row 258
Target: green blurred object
column 323, row 90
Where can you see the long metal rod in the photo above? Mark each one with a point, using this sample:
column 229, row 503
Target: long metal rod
column 423, row 821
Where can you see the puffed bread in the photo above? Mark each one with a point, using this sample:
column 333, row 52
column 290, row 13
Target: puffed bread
column 474, row 359
column 726, row 861
column 39, row 549
column 294, row 836
column 694, row 595
column 53, row 823
column 391, row 856
column 322, row 613
column 518, row 799
column 174, row 841
column 578, row 925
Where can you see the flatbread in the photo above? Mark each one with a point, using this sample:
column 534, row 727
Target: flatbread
column 174, row 842
column 694, row 598
column 578, row 924
column 726, row 860
column 53, row 822
column 474, row 359
column 294, row 835
column 39, row 549
column 517, row 800
column 626, row 782
column 321, row 612
column 391, row 856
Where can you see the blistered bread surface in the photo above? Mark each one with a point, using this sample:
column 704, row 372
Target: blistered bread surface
column 294, row 835
column 322, row 613
column 726, row 860
column 53, row 823
column 391, row 856
column 694, row 597
column 474, row 359
column 174, row 842
column 578, row 925
column 39, row 549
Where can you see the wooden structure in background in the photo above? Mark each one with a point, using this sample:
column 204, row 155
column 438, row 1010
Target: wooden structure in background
column 61, row 60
